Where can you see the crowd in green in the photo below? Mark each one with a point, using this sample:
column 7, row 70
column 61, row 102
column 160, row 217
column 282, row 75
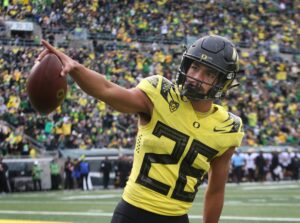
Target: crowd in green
column 267, row 99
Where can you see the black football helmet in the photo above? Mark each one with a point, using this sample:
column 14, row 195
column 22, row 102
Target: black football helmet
column 217, row 53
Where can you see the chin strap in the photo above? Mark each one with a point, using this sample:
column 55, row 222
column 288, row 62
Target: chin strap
column 192, row 94
column 234, row 84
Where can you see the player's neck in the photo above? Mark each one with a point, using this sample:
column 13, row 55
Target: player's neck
column 202, row 106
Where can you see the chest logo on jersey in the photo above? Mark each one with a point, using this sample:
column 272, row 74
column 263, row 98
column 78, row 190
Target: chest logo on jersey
column 196, row 125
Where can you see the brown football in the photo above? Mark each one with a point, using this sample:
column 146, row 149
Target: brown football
column 45, row 86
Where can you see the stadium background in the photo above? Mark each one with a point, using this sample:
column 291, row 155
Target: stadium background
column 129, row 40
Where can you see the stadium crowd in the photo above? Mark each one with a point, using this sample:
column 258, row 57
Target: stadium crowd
column 247, row 22
column 267, row 98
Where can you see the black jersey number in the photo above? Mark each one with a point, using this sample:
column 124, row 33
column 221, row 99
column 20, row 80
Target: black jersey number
column 185, row 169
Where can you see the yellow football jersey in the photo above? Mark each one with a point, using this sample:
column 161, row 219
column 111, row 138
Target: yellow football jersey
column 173, row 151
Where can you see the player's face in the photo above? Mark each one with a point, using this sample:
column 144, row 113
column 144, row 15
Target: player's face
column 201, row 77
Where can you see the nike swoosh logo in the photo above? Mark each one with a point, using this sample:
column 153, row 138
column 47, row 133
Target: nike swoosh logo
column 219, row 130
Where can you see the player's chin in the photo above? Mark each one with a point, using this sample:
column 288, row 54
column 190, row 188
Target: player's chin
column 195, row 89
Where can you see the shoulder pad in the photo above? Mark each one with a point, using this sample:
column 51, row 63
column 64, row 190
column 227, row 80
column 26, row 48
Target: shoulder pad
column 231, row 124
column 153, row 80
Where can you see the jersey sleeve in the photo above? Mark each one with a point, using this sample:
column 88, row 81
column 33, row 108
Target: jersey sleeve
column 232, row 132
column 239, row 134
column 235, row 140
column 237, row 130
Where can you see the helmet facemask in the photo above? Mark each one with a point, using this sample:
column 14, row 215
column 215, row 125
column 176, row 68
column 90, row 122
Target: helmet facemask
column 193, row 88
column 224, row 61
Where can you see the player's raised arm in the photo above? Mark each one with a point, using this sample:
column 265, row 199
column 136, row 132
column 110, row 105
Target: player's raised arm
column 124, row 100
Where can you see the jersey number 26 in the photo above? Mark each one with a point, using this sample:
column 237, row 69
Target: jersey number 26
column 185, row 169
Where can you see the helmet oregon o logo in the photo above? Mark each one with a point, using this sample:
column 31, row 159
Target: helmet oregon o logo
column 230, row 76
column 203, row 57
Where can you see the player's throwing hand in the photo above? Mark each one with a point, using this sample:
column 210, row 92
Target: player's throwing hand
column 68, row 63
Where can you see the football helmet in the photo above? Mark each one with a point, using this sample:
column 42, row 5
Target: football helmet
column 217, row 53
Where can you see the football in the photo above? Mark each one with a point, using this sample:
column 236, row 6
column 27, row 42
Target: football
column 46, row 88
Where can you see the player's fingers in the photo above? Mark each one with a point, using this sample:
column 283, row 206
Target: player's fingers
column 50, row 47
column 41, row 55
column 66, row 69
column 63, row 57
column 64, row 72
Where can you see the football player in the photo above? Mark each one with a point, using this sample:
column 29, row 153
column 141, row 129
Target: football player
column 182, row 133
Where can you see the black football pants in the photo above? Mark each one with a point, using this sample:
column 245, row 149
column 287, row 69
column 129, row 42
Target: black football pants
column 127, row 213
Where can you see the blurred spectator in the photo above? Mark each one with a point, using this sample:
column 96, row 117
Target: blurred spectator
column 55, row 174
column 69, row 167
column 84, row 173
column 36, row 176
column 260, row 163
column 3, row 176
column 76, row 173
column 238, row 163
column 124, row 168
column 275, row 168
column 268, row 160
column 250, row 165
column 295, row 166
column 285, row 160
column 105, row 168
column 117, row 174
